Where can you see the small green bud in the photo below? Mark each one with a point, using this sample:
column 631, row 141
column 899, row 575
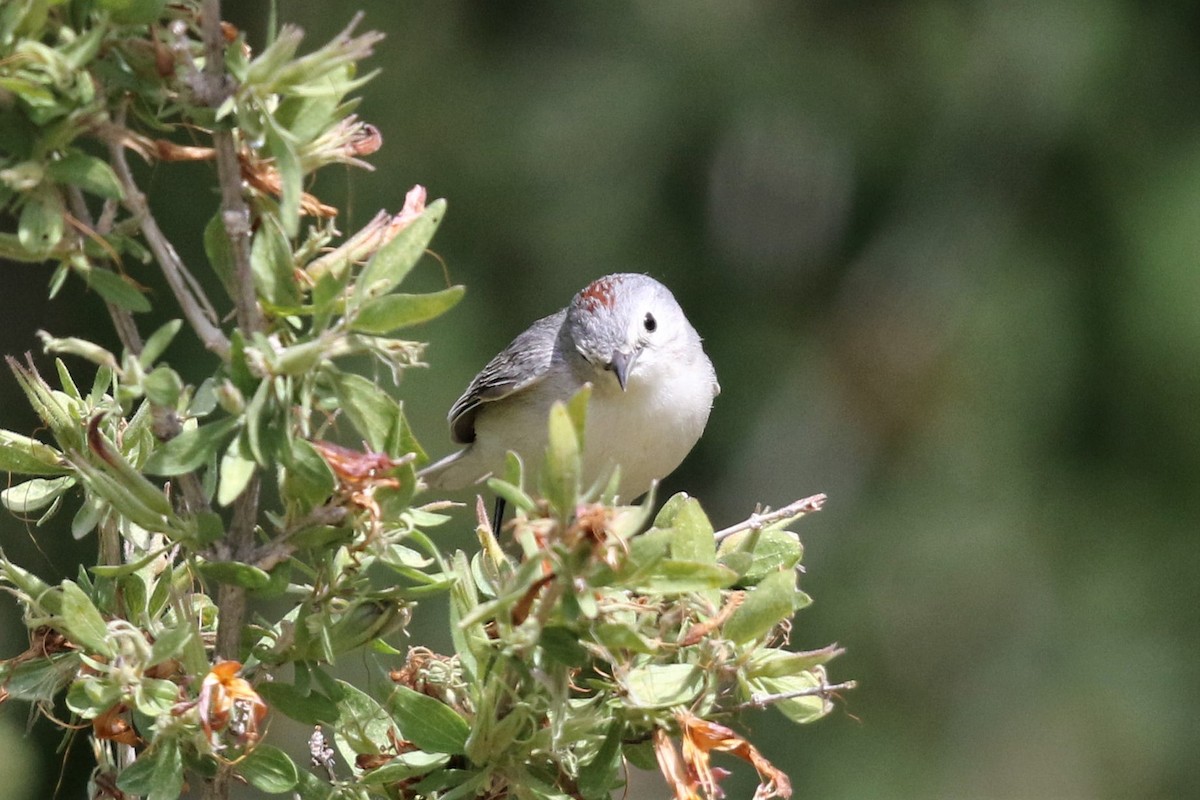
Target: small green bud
column 230, row 398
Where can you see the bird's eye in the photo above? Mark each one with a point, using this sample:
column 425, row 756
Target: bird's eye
column 650, row 323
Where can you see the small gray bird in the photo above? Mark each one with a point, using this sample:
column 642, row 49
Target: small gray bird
column 652, row 389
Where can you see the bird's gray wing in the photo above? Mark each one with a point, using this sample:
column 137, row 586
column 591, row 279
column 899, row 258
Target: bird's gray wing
column 522, row 364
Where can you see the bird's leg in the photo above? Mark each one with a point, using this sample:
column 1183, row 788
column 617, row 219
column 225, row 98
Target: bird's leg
column 498, row 515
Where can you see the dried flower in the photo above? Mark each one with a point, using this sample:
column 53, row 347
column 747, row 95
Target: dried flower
column 692, row 776
column 227, row 701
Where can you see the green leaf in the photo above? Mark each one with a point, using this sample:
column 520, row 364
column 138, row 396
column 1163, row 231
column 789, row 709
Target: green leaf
column 40, row 596
column 740, row 563
column 234, row 572
column 396, row 259
column 291, row 177
column 190, row 449
column 641, row 755
column 87, row 172
column 560, row 471
column 204, row 399
column 109, row 473
column 512, row 494
column 220, row 253
column 311, row 709
column 405, row 766
column 40, row 226
column 462, row 784
column 158, row 342
column 209, row 527
column 598, row 776
column 91, row 696
column 382, row 315
column 308, row 478
column 773, row 550
column 133, row 593
column 666, row 515
column 305, row 116
column 363, row 726
column 171, row 643
column 12, row 249
column 428, row 723
column 101, row 385
column 76, row 54
column 119, row 570
column 60, row 415
column 577, row 408
column 39, row 680
column 72, row 345
column 273, row 267
column 269, row 770
column 34, row 495
column 155, row 697
column 236, row 472
column 692, row 534
column 562, row 645
column 802, row 709
column 672, row 576
column 157, row 774
column 616, row 637
column 81, row 620
column 310, row 787
column 133, row 12
column 372, row 411
column 91, row 511
column 163, row 387
column 777, row 663
column 116, row 289
column 253, row 442
column 662, row 685
column 765, row 606
column 470, row 641
column 65, row 379
column 298, row 359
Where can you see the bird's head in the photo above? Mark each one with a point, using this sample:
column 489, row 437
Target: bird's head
column 628, row 324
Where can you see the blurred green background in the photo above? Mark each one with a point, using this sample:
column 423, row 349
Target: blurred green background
column 946, row 259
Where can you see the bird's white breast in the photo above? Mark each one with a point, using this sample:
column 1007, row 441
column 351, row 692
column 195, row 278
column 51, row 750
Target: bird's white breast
column 649, row 428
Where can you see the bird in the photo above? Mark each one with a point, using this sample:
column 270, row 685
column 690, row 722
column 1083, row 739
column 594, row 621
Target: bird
column 653, row 387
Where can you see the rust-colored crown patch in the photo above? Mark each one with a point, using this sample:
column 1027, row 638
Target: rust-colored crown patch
column 600, row 292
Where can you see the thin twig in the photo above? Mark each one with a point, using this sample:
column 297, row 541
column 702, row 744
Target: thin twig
column 172, row 266
column 108, row 215
column 270, row 554
column 166, row 424
column 122, row 319
column 760, row 520
column 824, row 690
column 231, row 603
column 235, row 217
column 238, row 545
column 235, row 214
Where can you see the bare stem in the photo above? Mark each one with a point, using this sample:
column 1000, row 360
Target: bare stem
column 122, row 319
column 761, row 519
column 235, row 214
column 824, row 690
column 192, row 303
column 213, row 89
column 239, row 546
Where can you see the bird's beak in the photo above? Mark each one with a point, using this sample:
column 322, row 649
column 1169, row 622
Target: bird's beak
column 622, row 364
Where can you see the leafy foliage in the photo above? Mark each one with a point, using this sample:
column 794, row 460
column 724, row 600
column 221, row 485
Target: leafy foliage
column 593, row 643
